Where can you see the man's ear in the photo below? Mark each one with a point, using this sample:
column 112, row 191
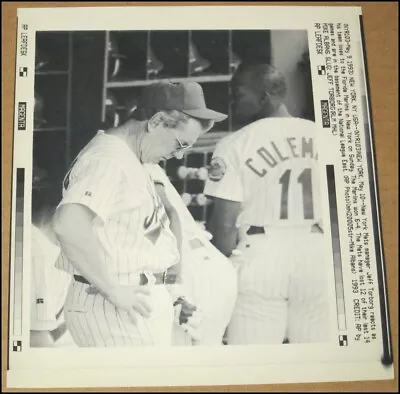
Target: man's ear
column 208, row 126
column 155, row 122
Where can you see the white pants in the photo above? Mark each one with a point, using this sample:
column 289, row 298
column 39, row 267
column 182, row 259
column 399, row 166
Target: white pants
column 282, row 291
column 211, row 282
column 94, row 322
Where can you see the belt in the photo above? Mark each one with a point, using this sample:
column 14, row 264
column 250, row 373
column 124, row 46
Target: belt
column 161, row 278
column 255, row 230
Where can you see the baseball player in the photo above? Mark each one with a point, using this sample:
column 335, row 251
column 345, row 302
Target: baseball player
column 49, row 285
column 264, row 181
column 113, row 228
column 209, row 278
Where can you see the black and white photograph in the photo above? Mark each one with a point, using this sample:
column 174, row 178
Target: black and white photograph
column 184, row 159
column 186, row 200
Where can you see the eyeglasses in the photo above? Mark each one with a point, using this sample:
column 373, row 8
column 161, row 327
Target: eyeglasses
column 182, row 147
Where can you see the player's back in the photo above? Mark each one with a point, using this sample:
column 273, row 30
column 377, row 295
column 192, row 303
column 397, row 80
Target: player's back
column 278, row 172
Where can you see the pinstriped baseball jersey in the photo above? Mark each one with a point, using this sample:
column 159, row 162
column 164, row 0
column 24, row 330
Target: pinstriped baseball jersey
column 49, row 285
column 268, row 166
column 131, row 222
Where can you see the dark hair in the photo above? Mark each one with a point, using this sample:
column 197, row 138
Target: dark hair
column 263, row 76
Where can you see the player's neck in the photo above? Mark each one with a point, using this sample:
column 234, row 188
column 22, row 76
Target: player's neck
column 132, row 133
column 280, row 112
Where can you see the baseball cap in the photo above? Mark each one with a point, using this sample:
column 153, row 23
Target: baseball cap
column 187, row 97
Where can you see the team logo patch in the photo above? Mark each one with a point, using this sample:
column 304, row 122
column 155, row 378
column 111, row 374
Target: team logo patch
column 217, row 169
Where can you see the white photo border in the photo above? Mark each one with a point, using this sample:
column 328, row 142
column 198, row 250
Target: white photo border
column 191, row 366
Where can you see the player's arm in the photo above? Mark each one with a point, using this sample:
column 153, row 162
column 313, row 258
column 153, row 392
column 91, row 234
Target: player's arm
column 75, row 229
column 223, row 224
column 87, row 199
column 224, row 186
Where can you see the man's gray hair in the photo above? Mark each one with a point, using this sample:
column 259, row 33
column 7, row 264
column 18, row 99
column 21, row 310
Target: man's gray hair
column 171, row 118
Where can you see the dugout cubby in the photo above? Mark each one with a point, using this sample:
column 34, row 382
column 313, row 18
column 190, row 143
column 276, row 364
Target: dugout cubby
column 170, row 49
column 51, row 116
column 52, row 52
column 251, row 46
column 209, row 50
column 50, row 156
column 127, row 54
column 119, row 105
column 51, row 113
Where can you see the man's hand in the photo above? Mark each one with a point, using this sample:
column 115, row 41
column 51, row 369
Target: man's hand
column 132, row 299
column 188, row 317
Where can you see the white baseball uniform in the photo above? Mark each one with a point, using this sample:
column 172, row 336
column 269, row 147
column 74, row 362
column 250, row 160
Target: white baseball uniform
column 269, row 167
column 133, row 230
column 49, row 285
column 209, row 278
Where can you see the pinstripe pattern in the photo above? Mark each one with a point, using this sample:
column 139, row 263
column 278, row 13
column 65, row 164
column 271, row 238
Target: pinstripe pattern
column 94, row 322
column 282, row 291
column 109, row 180
column 98, row 320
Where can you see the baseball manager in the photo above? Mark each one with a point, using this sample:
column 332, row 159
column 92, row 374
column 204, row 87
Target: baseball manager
column 113, row 228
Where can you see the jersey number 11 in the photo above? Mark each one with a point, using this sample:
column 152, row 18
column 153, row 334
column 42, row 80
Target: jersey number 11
column 306, row 185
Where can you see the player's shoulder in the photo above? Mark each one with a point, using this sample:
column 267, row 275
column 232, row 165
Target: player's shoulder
column 274, row 122
column 241, row 137
column 103, row 145
column 275, row 127
column 234, row 139
column 109, row 150
column 301, row 123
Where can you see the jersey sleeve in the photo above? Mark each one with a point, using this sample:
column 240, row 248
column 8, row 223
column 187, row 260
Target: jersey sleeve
column 94, row 184
column 224, row 179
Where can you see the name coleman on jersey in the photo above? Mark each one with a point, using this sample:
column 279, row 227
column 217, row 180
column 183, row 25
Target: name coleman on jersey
column 291, row 148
